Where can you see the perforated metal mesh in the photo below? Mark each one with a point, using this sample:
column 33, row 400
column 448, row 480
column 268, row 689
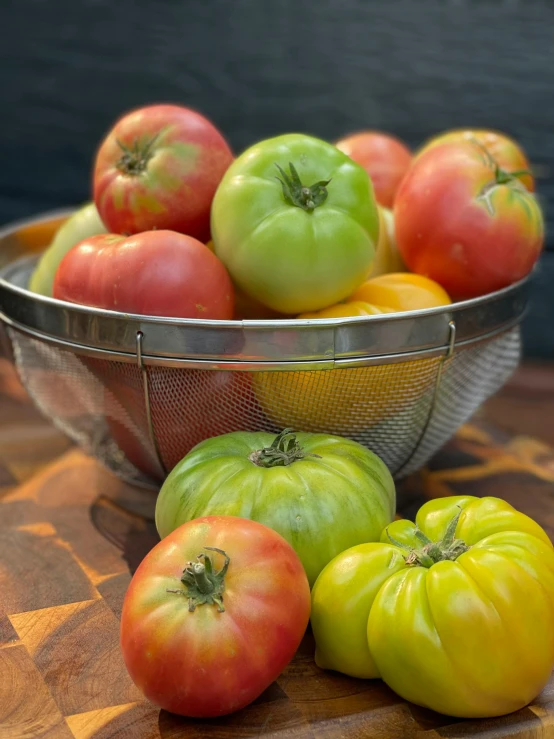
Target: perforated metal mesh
column 398, row 410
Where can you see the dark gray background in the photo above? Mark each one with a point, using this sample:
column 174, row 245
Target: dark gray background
column 263, row 67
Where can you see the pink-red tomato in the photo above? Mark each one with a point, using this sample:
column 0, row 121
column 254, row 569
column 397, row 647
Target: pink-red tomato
column 156, row 273
column 465, row 223
column 504, row 150
column 202, row 635
column 384, row 157
column 187, row 406
column 159, row 167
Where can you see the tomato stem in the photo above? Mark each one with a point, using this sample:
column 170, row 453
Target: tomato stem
column 284, row 450
column 295, row 193
column 203, row 585
column 448, row 549
column 135, row 158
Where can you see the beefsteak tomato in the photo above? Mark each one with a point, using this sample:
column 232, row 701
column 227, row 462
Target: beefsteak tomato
column 465, row 223
column 159, row 167
column 455, row 612
column 295, row 222
column 503, row 149
column 212, row 616
column 156, row 273
column 384, row 157
column 322, row 493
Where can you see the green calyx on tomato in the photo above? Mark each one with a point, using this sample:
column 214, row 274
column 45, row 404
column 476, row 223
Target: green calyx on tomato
column 295, row 222
column 454, row 611
column 134, row 159
column 203, row 585
column 322, row 493
column 501, row 177
column 284, row 450
column 295, row 193
column 447, row 549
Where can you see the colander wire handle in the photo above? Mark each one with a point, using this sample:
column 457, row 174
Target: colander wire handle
column 147, row 408
column 447, row 355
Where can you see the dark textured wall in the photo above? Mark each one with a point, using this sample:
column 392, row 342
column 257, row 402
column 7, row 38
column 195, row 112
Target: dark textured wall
column 261, row 67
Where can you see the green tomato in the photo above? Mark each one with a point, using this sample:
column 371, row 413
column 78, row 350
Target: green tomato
column 322, row 493
column 83, row 224
column 295, row 222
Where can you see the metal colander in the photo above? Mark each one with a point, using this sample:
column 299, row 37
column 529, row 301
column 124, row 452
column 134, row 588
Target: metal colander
column 139, row 392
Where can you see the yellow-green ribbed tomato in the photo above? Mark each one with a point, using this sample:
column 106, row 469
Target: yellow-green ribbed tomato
column 295, row 222
column 322, row 493
column 454, row 613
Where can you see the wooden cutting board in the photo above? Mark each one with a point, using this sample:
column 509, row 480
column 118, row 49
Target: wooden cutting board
column 71, row 535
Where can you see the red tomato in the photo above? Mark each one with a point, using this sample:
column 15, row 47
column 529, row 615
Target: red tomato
column 504, row 150
column 156, row 273
column 465, row 223
column 384, row 157
column 187, row 405
column 159, row 167
column 200, row 639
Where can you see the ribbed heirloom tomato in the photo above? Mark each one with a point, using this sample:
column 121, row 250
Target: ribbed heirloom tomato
column 455, row 613
column 212, row 616
column 159, row 167
column 321, row 493
column 466, row 223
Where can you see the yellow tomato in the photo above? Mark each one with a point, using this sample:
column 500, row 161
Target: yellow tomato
column 343, row 401
column 402, row 291
column 387, row 257
column 455, row 613
column 352, row 308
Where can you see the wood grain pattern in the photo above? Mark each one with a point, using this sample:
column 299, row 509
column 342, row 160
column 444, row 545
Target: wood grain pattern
column 71, row 535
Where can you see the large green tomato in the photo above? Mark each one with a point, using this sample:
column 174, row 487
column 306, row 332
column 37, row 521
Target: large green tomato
column 322, row 493
column 83, row 224
column 295, row 222
column 455, row 613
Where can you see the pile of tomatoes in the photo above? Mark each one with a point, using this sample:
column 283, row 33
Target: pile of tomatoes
column 293, row 227
column 260, row 534
column 455, row 612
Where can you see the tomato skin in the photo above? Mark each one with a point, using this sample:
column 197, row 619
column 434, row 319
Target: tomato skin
column 287, row 257
column 384, row 157
column 206, row 663
column 82, row 224
column 471, row 637
column 158, row 273
column 390, row 293
column 341, row 643
column 350, row 308
column 320, row 504
column 175, row 188
column 507, row 152
column 387, row 257
column 449, row 230
column 402, row 291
